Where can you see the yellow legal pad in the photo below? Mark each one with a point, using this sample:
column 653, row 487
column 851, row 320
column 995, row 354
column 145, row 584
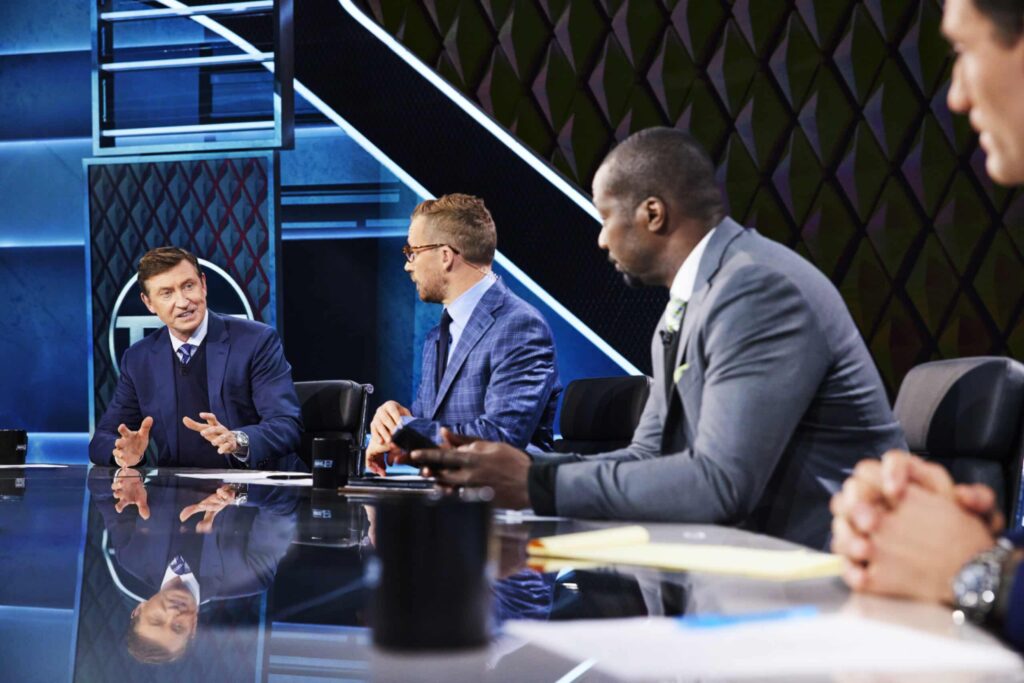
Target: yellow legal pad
column 632, row 545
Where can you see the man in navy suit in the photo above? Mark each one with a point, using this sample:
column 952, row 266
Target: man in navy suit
column 204, row 391
column 901, row 524
column 489, row 366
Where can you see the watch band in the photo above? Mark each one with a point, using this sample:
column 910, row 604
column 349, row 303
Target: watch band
column 976, row 585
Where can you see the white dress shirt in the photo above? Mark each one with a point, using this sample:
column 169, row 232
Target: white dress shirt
column 189, row 579
column 686, row 276
column 197, row 337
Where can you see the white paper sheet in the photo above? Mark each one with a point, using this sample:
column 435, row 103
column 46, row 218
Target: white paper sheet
column 262, row 478
column 39, row 466
column 659, row 648
column 507, row 516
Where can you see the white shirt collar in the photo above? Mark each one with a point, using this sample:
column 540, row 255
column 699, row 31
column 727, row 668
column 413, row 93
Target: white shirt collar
column 189, row 579
column 197, row 337
column 686, row 277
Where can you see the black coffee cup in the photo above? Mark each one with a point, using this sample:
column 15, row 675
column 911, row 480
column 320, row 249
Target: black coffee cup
column 431, row 573
column 330, row 462
column 13, row 446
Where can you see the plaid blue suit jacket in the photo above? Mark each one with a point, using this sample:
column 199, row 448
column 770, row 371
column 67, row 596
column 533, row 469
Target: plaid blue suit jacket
column 501, row 383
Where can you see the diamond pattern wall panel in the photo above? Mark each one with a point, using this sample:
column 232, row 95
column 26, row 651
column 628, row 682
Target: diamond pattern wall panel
column 220, row 209
column 827, row 121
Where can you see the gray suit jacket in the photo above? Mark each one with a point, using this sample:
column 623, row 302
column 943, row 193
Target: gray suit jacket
column 780, row 398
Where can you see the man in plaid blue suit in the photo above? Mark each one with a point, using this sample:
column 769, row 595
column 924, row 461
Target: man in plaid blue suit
column 489, row 367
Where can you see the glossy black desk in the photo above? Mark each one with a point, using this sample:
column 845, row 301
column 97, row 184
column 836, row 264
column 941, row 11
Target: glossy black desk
column 283, row 595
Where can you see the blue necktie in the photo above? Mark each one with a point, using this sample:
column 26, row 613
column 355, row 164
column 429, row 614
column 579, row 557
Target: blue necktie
column 179, row 566
column 185, row 353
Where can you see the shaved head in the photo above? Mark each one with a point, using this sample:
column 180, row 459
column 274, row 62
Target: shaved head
column 669, row 164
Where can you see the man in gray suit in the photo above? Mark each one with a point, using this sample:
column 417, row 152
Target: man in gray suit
column 764, row 394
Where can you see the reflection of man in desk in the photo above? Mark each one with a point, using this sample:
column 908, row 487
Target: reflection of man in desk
column 189, row 546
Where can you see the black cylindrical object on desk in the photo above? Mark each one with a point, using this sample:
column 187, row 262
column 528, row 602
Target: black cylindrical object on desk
column 13, row 446
column 431, row 574
column 330, row 463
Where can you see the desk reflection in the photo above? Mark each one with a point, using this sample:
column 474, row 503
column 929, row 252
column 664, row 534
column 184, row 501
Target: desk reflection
column 183, row 557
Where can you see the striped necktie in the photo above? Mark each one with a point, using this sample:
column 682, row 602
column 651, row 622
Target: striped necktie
column 185, row 353
column 179, row 566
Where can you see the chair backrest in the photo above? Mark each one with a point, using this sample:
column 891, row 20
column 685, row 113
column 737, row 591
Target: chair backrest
column 965, row 413
column 600, row 414
column 333, row 408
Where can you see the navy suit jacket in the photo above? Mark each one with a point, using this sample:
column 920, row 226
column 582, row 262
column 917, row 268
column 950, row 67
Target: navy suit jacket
column 250, row 390
column 501, row 382
column 1013, row 625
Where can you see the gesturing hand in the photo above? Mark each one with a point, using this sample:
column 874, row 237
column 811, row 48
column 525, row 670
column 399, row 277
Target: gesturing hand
column 129, row 490
column 211, row 506
column 386, row 420
column 378, row 455
column 214, row 432
column 131, row 446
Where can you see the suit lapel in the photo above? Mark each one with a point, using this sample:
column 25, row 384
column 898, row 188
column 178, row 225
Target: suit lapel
column 216, row 363
column 479, row 322
column 162, row 378
column 710, row 262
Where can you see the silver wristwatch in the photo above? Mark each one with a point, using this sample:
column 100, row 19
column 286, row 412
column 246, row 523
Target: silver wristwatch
column 242, row 451
column 976, row 585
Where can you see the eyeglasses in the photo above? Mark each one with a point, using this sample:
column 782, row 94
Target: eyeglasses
column 411, row 251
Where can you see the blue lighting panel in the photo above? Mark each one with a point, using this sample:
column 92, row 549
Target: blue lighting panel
column 41, row 185
column 45, row 387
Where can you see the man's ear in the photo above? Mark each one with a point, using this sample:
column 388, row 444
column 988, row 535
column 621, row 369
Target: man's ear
column 145, row 300
column 652, row 214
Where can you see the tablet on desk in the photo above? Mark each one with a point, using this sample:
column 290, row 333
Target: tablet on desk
column 394, row 481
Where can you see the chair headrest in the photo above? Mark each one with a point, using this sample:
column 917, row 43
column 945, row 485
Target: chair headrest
column 962, row 408
column 603, row 408
column 331, row 405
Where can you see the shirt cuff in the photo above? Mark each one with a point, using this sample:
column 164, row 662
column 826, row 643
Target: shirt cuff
column 541, row 483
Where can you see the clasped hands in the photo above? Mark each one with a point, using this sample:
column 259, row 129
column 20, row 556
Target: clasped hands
column 904, row 529
column 131, row 446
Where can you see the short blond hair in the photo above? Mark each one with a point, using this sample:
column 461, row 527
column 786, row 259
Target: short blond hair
column 462, row 221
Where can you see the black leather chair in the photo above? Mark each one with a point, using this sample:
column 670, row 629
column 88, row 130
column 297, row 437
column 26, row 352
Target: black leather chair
column 599, row 414
column 334, row 409
column 965, row 414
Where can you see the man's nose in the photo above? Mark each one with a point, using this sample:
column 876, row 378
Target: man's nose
column 957, row 98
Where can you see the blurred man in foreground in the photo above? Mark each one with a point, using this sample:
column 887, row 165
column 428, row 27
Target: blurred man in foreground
column 903, row 527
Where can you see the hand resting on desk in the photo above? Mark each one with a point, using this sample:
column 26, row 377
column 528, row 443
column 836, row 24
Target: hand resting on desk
column 467, row 461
